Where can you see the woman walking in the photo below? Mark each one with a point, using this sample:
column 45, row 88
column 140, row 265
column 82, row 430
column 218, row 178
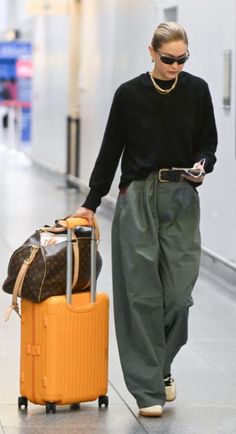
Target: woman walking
column 160, row 123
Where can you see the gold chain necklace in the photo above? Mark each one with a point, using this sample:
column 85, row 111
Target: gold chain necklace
column 159, row 89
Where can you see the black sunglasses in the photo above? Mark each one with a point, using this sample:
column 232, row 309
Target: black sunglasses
column 170, row 60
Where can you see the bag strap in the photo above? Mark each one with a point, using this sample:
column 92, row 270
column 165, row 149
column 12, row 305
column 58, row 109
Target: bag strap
column 75, row 245
column 19, row 282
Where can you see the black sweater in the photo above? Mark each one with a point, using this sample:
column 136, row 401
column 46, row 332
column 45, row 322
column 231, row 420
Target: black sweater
column 154, row 131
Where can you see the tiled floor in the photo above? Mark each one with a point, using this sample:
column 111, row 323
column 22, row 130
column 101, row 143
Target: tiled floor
column 205, row 370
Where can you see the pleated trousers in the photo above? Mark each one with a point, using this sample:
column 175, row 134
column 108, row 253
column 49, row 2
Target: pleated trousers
column 155, row 262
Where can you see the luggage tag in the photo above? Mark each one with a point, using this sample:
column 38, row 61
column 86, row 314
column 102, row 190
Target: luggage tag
column 47, row 238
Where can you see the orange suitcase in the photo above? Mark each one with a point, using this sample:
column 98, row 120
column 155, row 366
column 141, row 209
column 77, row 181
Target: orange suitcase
column 64, row 344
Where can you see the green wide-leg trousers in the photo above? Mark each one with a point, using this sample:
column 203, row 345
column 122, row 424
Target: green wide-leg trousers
column 155, row 261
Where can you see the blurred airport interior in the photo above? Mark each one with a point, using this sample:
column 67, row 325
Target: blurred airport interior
column 60, row 64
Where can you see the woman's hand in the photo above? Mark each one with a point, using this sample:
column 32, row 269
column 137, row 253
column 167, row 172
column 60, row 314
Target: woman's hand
column 200, row 172
column 199, row 166
column 85, row 213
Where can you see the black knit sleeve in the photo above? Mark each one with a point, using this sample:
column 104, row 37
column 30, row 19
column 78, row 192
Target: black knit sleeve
column 207, row 139
column 109, row 155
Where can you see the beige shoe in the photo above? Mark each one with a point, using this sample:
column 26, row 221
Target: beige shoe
column 153, row 411
column 170, row 388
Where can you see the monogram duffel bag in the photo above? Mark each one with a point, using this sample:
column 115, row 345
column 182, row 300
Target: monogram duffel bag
column 37, row 269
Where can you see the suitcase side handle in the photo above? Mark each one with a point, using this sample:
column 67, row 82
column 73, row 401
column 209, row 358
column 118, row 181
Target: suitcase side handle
column 93, row 254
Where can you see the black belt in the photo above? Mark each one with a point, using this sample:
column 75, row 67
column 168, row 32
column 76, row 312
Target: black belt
column 170, row 175
column 163, row 175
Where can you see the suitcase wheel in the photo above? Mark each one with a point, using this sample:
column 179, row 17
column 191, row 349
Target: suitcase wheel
column 51, row 407
column 103, row 400
column 22, row 400
column 75, row 407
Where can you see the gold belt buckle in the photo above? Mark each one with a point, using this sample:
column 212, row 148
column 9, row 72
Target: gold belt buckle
column 159, row 175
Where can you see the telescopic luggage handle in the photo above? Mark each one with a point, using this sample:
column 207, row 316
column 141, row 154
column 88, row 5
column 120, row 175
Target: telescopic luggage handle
column 71, row 223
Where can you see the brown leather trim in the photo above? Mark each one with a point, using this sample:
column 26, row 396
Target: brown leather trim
column 75, row 245
column 21, row 275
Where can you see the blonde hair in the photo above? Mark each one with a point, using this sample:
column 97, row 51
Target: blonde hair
column 168, row 32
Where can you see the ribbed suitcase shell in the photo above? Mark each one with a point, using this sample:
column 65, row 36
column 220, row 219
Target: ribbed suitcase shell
column 64, row 349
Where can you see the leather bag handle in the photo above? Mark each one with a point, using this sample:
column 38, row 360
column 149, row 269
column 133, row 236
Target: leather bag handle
column 72, row 222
